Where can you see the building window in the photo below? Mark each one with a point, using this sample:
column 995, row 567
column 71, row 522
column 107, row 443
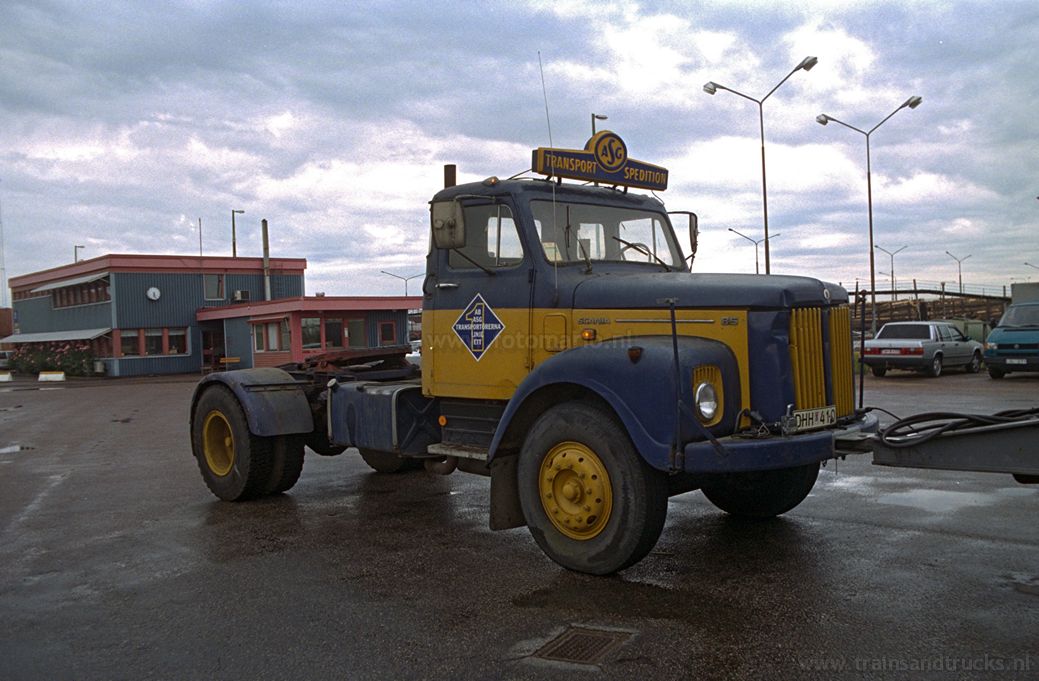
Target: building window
column 387, row 333
column 311, row 328
column 153, row 342
column 271, row 336
column 214, row 284
column 128, row 346
column 178, row 342
column 355, row 331
column 286, row 338
column 333, row 333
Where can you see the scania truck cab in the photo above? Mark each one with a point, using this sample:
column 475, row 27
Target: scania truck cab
column 569, row 353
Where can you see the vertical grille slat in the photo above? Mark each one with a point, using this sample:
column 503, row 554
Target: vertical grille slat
column 841, row 368
column 812, row 374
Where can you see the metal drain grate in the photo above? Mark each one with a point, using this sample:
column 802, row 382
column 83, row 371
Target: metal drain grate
column 581, row 645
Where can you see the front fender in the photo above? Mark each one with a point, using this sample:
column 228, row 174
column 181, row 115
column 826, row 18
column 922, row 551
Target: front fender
column 274, row 403
column 641, row 393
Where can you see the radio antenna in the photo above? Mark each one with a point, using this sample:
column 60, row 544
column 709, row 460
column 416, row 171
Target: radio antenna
column 544, row 93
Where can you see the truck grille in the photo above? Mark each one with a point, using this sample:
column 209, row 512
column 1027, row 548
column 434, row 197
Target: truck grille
column 818, row 382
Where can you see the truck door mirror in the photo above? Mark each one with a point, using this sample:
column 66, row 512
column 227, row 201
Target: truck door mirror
column 694, row 232
column 448, row 224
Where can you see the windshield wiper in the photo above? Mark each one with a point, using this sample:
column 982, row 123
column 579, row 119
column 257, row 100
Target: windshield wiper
column 488, row 271
column 580, row 247
column 643, row 250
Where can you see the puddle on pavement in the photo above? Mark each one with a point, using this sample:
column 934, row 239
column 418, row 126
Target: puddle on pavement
column 937, row 500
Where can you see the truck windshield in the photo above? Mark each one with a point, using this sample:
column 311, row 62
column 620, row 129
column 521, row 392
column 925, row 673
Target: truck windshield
column 905, row 332
column 1021, row 315
column 578, row 232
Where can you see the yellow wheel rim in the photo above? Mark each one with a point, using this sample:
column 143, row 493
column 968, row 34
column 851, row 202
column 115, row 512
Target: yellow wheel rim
column 575, row 490
column 218, row 443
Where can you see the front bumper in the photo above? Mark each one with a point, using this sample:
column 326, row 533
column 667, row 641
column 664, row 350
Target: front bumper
column 1010, row 363
column 742, row 455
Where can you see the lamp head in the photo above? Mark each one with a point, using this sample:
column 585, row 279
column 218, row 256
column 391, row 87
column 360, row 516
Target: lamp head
column 807, row 63
column 913, row 101
column 710, row 87
column 822, row 119
column 599, row 117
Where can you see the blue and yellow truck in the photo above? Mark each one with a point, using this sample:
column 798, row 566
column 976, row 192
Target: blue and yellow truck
column 571, row 355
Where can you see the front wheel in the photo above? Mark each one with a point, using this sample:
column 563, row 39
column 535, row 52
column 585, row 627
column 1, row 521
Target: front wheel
column 935, row 368
column 993, row 372
column 591, row 503
column 235, row 464
column 762, row 494
column 974, row 365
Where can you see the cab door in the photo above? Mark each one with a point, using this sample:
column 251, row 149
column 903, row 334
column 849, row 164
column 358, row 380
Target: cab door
column 476, row 318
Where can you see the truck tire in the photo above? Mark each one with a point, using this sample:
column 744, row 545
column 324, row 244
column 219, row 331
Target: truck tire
column 878, row 371
column 235, row 464
column 935, row 368
column 762, row 494
column 286, row 463
column 974, row 365
column 591, row 503
column 387, row 462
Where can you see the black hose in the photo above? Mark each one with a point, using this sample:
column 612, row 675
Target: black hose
column 923, row 427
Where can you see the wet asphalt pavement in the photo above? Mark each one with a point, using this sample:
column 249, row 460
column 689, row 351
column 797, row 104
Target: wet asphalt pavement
column 116, row 563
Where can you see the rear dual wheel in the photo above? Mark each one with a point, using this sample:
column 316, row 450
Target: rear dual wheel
column 591, row 503
column 235, row 464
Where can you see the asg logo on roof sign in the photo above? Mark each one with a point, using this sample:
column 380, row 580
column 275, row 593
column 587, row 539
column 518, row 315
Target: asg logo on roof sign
column 478, row 326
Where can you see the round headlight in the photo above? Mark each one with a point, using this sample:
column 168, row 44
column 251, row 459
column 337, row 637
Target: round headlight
column 706, row 401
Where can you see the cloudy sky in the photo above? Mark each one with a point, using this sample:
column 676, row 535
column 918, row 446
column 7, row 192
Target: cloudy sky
column 123, row 123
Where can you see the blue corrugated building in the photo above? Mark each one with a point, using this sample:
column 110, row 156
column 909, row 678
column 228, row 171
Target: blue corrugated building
column 162, row 314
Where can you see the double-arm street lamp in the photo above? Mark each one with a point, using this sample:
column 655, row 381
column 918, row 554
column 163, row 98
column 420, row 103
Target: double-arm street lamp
column 959, row 266
column 711, row 87
column 823, row 119
column 757, row 269
column 894, row 291
column 404, row 279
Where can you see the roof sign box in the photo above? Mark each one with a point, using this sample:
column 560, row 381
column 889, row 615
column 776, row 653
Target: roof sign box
column 603, row 159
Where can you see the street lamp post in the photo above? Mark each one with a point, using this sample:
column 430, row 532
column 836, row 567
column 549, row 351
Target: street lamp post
column 597, row 117
column 711, row 87
column 1030, row 264
column 894, row 291
column 234, row 234
column 404, row 279
column 823, row 119
column 757, row 269
column 75, row 252
column 959, row 266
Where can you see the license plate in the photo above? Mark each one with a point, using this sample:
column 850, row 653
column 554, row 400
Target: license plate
column 1017, row 361
column 891, row 351
column 813, row 419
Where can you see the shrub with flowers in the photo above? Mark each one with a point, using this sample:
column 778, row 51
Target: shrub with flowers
column 72, row 357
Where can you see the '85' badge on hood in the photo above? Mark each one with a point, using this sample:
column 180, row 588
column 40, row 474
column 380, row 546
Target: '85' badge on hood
column 478, row 326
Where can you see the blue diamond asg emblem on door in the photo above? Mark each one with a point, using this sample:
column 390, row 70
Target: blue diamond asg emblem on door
column 478, row 326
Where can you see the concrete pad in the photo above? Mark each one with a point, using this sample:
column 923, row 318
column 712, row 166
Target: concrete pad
column 51, row 376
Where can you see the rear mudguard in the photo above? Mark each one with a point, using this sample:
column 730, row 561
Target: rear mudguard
column 274, row 403
column 640, row 391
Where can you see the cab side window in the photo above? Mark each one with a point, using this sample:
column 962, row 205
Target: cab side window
column 491, row 239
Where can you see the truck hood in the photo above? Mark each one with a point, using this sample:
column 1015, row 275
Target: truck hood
column 651, row 290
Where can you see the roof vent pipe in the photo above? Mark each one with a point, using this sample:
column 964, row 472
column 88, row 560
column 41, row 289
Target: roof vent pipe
column 266, row 261
column 450, row 175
